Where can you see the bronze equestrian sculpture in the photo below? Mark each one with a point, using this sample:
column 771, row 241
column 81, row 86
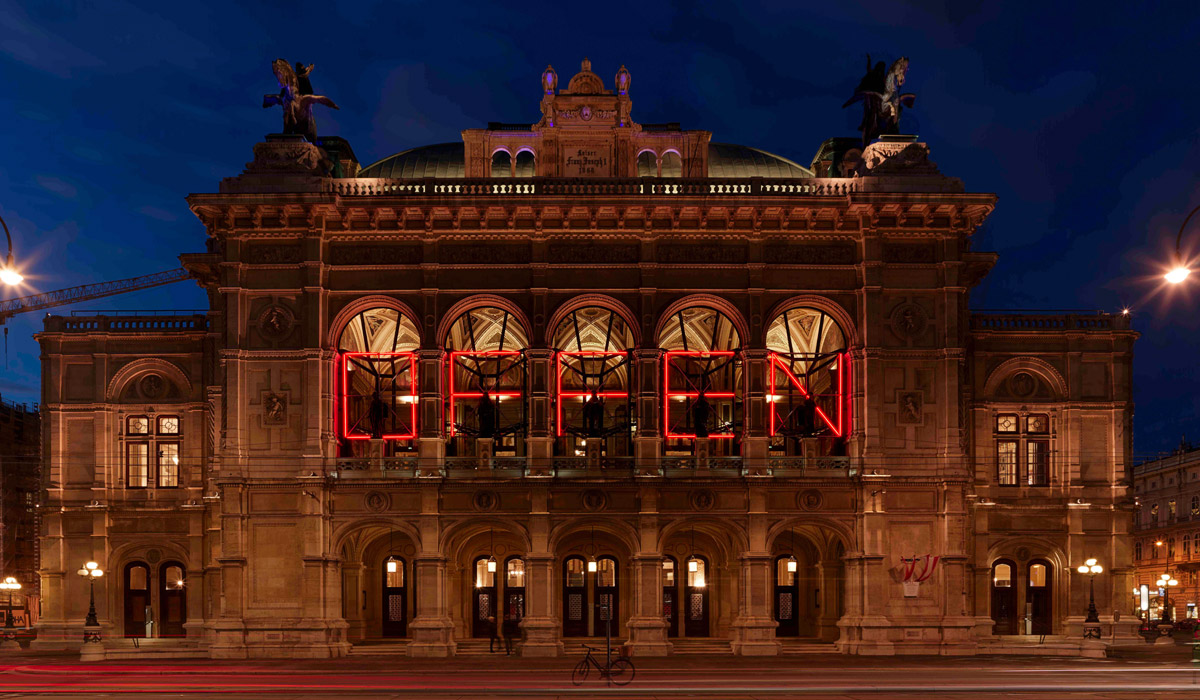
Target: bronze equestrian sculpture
column 882, row 100
column 297, row 106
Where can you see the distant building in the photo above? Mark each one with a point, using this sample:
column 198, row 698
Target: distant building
column 1167, row 533
column 20, row 469
column 585, row 374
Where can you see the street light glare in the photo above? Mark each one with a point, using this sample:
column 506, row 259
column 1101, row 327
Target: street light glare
column 11, row 277
column 1178, row 274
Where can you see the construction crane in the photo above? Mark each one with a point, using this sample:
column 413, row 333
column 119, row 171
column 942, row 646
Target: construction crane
column 61, row 297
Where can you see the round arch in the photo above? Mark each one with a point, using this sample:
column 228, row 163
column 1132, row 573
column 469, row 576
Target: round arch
column 354, row 537
column 456, row 537
column 726, row 534
column 621, row 532
column 706, row 300
column 137, row 368
column 1029, row 364
column 1038, row 549
column 361, row 304
column 845, row 322
column 601, row 300
column 826, row 533
column 476, row 301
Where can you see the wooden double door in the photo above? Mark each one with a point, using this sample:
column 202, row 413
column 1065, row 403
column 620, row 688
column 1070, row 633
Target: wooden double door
column 140, row 589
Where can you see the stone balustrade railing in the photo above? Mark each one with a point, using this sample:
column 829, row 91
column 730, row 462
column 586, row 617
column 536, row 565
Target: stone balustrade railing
column 630, row 187
column 1041, row 322
column 472, row 466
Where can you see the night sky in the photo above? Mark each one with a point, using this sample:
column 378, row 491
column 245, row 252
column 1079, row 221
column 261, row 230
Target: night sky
column 1083, row 121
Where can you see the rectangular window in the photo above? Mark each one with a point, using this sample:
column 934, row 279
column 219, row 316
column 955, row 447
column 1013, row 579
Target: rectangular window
column 1037, row 462
column 137, row 463
column 1006, row 462
column 1006, row 424
column 1037, row 423
column 137, row 425
column 168, row 464
column 168, row 425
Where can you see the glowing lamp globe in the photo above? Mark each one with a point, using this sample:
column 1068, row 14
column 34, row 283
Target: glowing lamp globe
column 791, row 566
column 592, row 567
column 391, row 567
column 1178, row 274
column 693, row 565
column 491, row 566
column 11, row 277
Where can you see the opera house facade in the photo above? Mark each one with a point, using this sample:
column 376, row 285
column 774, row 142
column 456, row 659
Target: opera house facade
column 585, row 377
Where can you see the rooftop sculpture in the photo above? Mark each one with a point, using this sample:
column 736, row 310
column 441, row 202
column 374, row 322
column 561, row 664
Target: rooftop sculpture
column 882, row 100
column 297, row 103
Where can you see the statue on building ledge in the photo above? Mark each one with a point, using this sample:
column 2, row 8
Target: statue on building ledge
column 297, row 104
column 882, row 100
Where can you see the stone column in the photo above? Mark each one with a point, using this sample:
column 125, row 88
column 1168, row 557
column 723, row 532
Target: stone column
column 865, row 626
column 647, row 626
column 754, row 628
column 432, row 630
column 352, row 600
column 431, row 445
column 541, row 625
column 647, row 443
column 756, row 417
column 539, row 444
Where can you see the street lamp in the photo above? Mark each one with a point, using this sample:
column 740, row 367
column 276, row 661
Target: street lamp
column 9, row 584
column 91, row 627
column 1181, row 271
column 1166, row 583
column 1091, row 626
column 8, row 273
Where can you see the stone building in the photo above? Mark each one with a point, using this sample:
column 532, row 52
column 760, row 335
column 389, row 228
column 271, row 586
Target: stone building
column 20, row 464
column 585, row 375
column 1167, row 534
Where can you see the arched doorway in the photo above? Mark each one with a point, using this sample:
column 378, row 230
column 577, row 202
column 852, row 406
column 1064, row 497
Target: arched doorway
column 484, row 609
column 1004, row 596
column 514, row 596
column 394, row 592
column 670, row 596
column 696, row 616
column 575, row 597
column 172, row 601
column 608, row 599
column 787, row 595
column 1039, row 596
column 136, row 581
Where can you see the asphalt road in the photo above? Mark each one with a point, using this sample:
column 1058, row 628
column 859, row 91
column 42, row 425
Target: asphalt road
column 479, row 678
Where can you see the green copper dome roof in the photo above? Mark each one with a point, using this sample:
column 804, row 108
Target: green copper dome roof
column 445, row 160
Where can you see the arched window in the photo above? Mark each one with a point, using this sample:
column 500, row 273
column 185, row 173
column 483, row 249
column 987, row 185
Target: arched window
column 136, row 598
column 808, row 380
column 647, row 164
column 702, row 378
column 172, row 600
column 672, row 165
column 696, row 572
column 1002, row 576
column 593, row 369
column 485, row 395
column 526, row 164
column 376, row 379
column 502, row 164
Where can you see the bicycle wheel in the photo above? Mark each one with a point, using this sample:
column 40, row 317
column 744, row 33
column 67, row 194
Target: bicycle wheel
column 621, row 672
column 580, row 674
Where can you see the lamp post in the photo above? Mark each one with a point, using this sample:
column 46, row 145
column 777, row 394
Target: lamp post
column 8, row 273
column 1181, row 271
column 1091, row 625
column 1166, row 583
column 91, row 627
column 9, row 584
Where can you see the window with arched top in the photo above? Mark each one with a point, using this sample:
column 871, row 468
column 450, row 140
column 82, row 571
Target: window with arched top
column 377, row 382
column 485, row 393
column 808, row 380
column 173, row 577
column 526, row 164
column 592, row 364
column 697, row 572
column 1037, row 575
column 647, row 164
column 1002, row 575
column 702, row 377
column 502, row 164
column 393, row 571
column 672, row 165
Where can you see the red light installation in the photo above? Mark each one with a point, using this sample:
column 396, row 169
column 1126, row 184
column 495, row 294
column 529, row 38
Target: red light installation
column 684, row 389
column 830, row 408
column 392, row 382
column 506, row 385
column 562, row 368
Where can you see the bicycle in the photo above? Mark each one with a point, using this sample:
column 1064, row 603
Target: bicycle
column 620, row 671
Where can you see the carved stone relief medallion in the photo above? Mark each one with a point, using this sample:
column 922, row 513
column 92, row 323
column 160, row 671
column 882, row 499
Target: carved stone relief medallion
column 152, row 386
column 909, row 320
column 376, row 501
column 153, row 556
column 1022, row 553
column 703, row 499
column 274, row 407
column 1022, row 384
column 594, row 500
column 275, row 322
column 910, row 405
column 486, row 500
column 809, row 499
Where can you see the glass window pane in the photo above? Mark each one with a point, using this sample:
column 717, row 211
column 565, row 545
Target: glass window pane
column 1037, row 423
column 173, row 578
column 168, row 425
column 168, row 464
column 137, row 425
column 1037, row 463
column 1006, row 462
column 137, row 462
column 1002, row 576
column 483, row 577
column 784, row 576
column 575, row 575
column 606, row 572
column 516, row 573
column 1037, row 575
column 668, row 572
column 138, row 577
column 1006, row 424
column 395, row 573
column 696, row 573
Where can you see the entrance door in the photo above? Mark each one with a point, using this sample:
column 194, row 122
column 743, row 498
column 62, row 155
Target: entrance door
column 1039, row 596
column 1004, row 597
column 575, row 598
column 514, row 596
column 696, row 619
column 670, row 597
column 608, row 603
column 172, row 601
column 137, row 598
column 485, row 598
column 787, row 597
column 395, row 598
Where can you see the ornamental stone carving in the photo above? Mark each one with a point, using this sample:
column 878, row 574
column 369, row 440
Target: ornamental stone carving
column 376, row 501
column 274, row 408
column 910, row 407
column 703, row 499
column 276, row 322
column 898, row 158
column 809, row 499
column 594, row 500
column 486, row 501
column 274, row 254
column 152, row 386
column 1022, row 384
column 909, row 320
column 286, row 154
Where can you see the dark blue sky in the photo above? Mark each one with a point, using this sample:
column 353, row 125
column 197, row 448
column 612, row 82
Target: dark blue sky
column 1083, row 120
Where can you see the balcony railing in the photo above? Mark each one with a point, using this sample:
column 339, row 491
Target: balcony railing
column 1035, row 321
column 635, row 187
column 595, row 466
